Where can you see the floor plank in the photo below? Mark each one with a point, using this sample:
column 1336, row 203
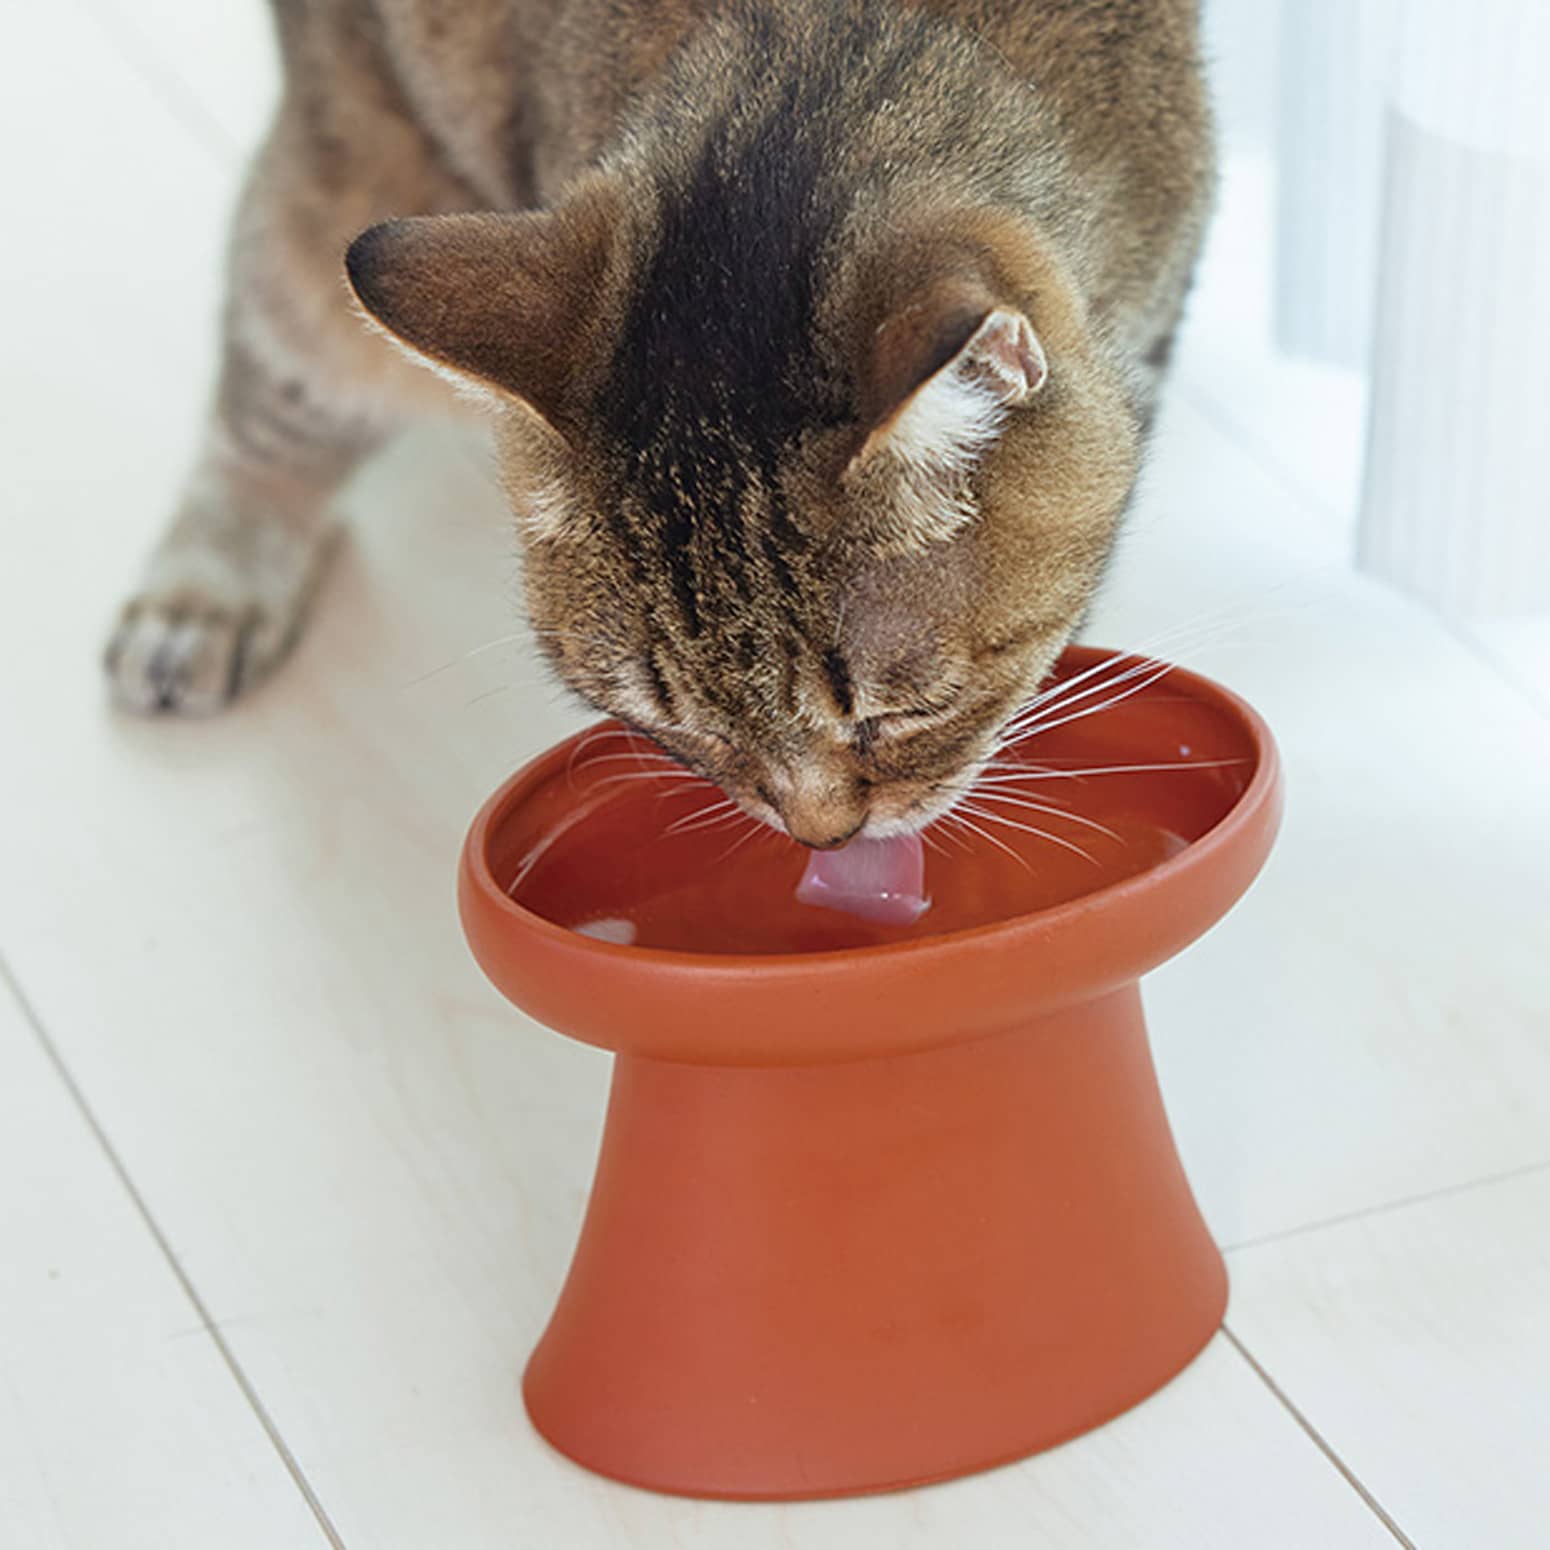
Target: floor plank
column 1416, row 1339
column 120, row 1424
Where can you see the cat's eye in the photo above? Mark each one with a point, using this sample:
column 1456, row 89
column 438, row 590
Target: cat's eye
column 911, row 718
column 902, row 720
column 704, row 744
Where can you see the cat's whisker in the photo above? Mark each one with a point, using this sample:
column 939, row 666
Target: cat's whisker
column 1229, row 619
column 754, row 827
column 1153, row 676
column 1029, row 805
column 637, row 756
column 720, row 821
column 705, row 817
column 713, row 804
column 1038, row 709
column 488, row 695
column 673, row 777
column 474, row 651
column 940, row 824
column 1215, row 623
column 678, row 782
column 957, row 815
column 605, row 732
column 603, row 729
column 1267, row 605
column 996, row 775
column 670, row 790
column 1046, row 761
column 601, row 734
column 1188, row 634
column 1038, row 726
column 929, row 843
column 1140, row 656
column 1001, row 762
column 1025, row 828
column 1071, row 689
column 1014, row 778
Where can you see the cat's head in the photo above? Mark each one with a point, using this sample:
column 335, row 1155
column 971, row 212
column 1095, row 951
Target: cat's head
column 817, row 521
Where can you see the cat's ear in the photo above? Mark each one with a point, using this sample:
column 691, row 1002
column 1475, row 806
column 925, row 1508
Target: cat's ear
column 944, row 374
column 498, row 303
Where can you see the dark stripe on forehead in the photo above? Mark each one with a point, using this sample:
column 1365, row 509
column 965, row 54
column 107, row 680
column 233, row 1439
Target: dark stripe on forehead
column 669, row 504
column 840, row 685
column 723, row 508
column 720, row 329
column 629, row 541
column 745, row 649
column 785, row 544
column 790, row 654
column 717, row 370
column 660, row 691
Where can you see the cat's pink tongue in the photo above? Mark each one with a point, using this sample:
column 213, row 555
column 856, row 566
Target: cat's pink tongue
column 879, row 880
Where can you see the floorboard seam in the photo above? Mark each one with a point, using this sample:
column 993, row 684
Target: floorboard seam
column 137, row 1200
column 1348, row 1474
column 1404, row 1203
column 144, row 60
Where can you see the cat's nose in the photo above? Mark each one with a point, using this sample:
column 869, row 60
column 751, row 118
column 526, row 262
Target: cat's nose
column 822, row 814
column 820, row 838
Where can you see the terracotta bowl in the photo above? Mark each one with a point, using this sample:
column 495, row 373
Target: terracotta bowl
column 875, row 1207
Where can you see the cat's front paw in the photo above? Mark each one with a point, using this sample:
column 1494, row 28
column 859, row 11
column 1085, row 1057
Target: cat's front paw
column 187, row 659
column 201, row 631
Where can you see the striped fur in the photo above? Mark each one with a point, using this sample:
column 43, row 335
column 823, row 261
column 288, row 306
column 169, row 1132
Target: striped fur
column 821, row 378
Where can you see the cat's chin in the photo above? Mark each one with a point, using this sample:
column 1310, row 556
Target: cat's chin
column 919, row 815
column 895, row 828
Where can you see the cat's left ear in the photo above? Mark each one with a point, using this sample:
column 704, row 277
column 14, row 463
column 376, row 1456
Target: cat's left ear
column 501, row 304
column 945, row 374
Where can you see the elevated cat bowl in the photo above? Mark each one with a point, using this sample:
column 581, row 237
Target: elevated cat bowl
column 871, row 1215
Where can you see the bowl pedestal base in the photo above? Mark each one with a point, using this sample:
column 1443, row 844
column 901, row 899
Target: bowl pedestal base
column 823, row 1280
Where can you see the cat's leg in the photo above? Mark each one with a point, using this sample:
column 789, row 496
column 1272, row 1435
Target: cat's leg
column 304, row 393
column 225, row 591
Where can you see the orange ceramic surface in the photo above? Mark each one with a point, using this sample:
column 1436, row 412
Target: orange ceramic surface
column 875, row 1205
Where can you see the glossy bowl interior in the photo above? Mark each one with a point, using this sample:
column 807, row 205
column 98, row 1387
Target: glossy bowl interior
column 1106, row 839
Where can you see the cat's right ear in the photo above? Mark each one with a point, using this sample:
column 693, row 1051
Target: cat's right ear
column 942, row 375
column 498, row 303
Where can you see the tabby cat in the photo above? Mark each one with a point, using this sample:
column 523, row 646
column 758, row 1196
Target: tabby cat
column 820, row 339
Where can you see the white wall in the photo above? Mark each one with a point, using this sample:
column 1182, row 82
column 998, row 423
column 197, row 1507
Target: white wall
column 1241, row 46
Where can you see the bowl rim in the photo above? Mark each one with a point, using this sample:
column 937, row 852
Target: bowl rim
column 1263, row 787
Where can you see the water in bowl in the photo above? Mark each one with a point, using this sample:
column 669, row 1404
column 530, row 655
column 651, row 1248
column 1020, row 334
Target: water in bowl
column 1117, row 793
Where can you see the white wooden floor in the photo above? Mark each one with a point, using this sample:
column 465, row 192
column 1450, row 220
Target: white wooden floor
column 286, row 1192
